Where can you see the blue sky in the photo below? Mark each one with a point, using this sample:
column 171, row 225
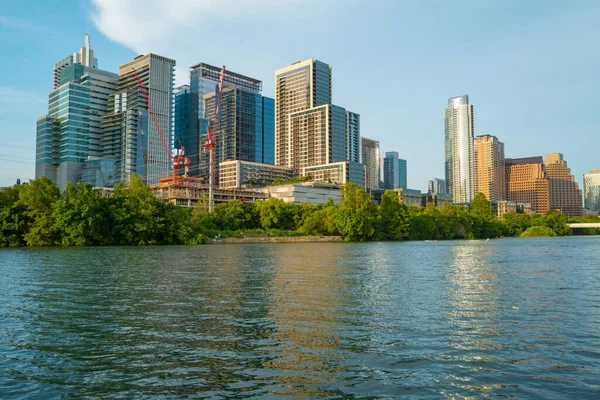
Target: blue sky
column 530, row 67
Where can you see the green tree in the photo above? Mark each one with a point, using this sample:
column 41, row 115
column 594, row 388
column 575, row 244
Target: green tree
column 80, row 216
column 538, row 231
column 392, row 218
column 356, row 216
column 556, row 221
column 38, row 197
column 13, row 218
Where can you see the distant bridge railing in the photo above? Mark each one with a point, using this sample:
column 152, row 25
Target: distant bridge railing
column 584, row 225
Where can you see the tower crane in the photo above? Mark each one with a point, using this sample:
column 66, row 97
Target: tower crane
column 179, row 160
column 209, row 144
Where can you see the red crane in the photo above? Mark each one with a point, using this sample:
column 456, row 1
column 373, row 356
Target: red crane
column 179, row 160
column 209, row 144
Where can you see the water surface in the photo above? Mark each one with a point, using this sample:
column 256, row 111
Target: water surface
column 510, row 318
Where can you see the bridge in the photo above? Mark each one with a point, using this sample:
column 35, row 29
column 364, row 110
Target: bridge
column 584, row 225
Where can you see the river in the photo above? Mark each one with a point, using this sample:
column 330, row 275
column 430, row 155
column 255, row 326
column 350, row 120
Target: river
column 512, row 318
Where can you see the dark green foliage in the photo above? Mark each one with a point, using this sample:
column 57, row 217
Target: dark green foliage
column 36, row 214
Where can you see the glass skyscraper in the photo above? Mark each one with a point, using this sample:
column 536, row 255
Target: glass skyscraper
column 71, row 131
column 371, row 159
column 394, row 171
column 246, row 126
column 458, row 149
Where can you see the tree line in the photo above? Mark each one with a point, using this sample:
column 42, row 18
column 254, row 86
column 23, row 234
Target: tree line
column 37, row 214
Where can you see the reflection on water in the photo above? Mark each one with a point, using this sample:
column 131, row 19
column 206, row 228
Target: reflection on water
column 510, row 318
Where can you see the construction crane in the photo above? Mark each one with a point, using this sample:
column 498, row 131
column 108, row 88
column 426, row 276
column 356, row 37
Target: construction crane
column 179, row 160
column 209, row 144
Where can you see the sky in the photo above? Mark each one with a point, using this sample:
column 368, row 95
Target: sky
column 530, row 68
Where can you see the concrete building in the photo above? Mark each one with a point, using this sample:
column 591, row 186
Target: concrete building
column 131, row 135
column 458, row 148
column 526, row 182
column 394, row 171
column 311, row 132
column 371, row 159
column 489, row 166
column 564, row 192
column 240, row 174
column 71, row 131
column 437, row 186
column 298, row 87
column 337, row 173
column 311, row 192
column 591, row 185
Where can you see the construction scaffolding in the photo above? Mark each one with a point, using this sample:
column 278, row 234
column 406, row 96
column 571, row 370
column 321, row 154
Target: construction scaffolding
column 187, row 191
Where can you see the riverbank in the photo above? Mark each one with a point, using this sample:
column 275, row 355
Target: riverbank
column 276, row 239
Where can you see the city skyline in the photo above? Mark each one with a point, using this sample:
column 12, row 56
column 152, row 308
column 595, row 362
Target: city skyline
column 417, row 137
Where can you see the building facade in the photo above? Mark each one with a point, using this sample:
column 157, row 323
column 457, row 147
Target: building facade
column 310, row 132
column 371, row 159
column 394, row 171
column 436, row 186
column 489, row 167
column 71, row 131
column 591, row 185
column 298, row 87
column 246, row 128
column 458, row 149
column 337, row 173
column 240, row 174
column 526, row 182
column 137, row 140
column 564, row 192
column 315, row 193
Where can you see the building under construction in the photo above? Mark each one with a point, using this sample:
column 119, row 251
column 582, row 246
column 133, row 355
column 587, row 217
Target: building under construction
column 188, row 191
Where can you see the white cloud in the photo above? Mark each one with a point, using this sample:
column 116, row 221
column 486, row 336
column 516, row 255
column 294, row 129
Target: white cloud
column 185, row 30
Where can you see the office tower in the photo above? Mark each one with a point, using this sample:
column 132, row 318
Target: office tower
column 402, row 174
column 246, row 128
column 591, row 185
column 458, row 146
column 394, row 171
column 131, row 135
column 70, row 133
column 436, row 186
column 298, row 87
column 310, row 132
column 204, row 80
column 352, row 136
column 84, row 57
column 371, row 159
column 526, row 182
column 489, row 167
column 565, row 194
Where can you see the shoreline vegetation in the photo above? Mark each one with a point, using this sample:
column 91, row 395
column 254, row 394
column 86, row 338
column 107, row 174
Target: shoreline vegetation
column 37, row 214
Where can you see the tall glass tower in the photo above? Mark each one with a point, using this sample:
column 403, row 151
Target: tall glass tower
column 458, row 149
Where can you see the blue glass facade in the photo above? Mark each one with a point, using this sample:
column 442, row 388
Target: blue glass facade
column 402, row 174
column 99, row 172
column 268, row 124
column 391, row 170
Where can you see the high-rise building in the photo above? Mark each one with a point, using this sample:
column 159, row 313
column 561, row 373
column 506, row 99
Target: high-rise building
column 489, row 166
column 71, row 133
column 298, row 87
column 246, row 128
column 371, row 159
column 436, row 186
column 394, row 171
column 204, row 80
column 402, row 174
column 84, row 57
column 526, row 182
column 131, row 135
column 565, row 194
column 458, row 146
column 591, row 185
column 311, row 132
